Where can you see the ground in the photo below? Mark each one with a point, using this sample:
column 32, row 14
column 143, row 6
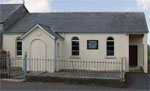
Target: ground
column 136, row 81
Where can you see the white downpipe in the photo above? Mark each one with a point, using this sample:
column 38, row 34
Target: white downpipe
column 55, row 54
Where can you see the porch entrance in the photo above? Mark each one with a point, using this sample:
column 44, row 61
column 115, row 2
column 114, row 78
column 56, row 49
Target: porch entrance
column 133, row 55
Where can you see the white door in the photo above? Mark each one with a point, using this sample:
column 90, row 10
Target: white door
column 38, row 49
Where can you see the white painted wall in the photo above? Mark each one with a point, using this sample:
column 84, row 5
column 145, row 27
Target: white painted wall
column 121, row 46
column 9, row 43
column 38, row 44
column 145, row 53
column 121, row 43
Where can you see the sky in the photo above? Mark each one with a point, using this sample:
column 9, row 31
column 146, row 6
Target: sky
column 87, row 6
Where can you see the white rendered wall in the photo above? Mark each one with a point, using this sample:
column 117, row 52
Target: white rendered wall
column 121, row 49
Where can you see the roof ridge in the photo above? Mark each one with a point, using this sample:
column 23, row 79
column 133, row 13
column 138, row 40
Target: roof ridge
column 10, row 4
column 47, row 27
column 80, row 12
column 44, row 25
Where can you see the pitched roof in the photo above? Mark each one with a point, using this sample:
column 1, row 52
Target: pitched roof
column 7, row 9
column 50, row 31
column 46, row 28
column 85, row 22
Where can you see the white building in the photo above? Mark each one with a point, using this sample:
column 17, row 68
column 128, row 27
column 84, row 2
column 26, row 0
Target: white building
column 80, row 36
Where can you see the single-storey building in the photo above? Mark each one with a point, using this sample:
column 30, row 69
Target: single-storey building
column 78, row 35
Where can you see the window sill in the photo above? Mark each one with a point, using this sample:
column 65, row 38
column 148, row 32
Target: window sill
column 18, row 56
column 75, row 57
column 110, row 57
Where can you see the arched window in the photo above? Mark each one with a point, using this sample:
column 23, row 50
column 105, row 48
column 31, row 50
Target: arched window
column 18, row 46
column 110, row 46
column 75, row 46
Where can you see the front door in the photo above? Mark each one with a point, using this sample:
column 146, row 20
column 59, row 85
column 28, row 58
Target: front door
column 133, row 55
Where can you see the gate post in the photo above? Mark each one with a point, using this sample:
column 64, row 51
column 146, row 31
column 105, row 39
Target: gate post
column 122, row 69
column 25, row 65
column 8, row 64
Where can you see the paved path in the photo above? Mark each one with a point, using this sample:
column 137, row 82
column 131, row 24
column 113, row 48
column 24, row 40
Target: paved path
column 136, row 81
column 139, row 81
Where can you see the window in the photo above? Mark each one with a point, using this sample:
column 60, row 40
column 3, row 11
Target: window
column 75, row 46
column 19, row 46
column 110, row 46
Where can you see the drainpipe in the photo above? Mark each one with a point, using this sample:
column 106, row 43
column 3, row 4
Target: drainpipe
column 1, row 35
column 55, row 53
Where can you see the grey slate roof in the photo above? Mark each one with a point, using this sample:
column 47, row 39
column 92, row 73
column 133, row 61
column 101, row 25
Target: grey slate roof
column 7, row 9
column 85, row 22
column 50, row 31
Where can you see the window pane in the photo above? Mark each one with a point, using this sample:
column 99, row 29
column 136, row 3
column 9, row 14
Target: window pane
column 75, row 42
column 19, row 48
column 110, row 38
column 75, row 52
column 110, row 43
column 19, row 52
column 110, row 53
column 110, row 48
column 19, row 43
column 75, row 46
column 75, row 38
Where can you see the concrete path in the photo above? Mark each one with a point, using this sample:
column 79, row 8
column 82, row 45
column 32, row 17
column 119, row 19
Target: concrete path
column 138, row 80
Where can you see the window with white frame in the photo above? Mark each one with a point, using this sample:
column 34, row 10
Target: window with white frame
column 110, row 46
column 18, row 46
column 75, row 46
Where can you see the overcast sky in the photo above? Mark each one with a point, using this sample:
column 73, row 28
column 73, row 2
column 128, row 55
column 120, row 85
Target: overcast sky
column 87, row 5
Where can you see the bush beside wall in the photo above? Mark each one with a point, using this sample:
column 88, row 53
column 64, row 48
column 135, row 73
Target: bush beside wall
column 3, row 59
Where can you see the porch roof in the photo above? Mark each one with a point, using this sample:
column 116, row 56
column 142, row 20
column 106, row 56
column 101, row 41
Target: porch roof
column 48, row 29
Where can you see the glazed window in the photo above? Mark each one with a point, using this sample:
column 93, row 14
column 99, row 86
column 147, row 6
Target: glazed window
column 18, row 46
column 75, row 46
column 110, row 46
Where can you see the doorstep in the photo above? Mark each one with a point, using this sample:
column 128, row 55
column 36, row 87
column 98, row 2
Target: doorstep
column 135, row 69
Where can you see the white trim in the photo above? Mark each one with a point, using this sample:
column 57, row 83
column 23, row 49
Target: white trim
column 24, row 35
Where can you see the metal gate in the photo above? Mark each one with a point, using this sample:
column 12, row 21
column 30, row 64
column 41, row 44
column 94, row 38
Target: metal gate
column 11, row 67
